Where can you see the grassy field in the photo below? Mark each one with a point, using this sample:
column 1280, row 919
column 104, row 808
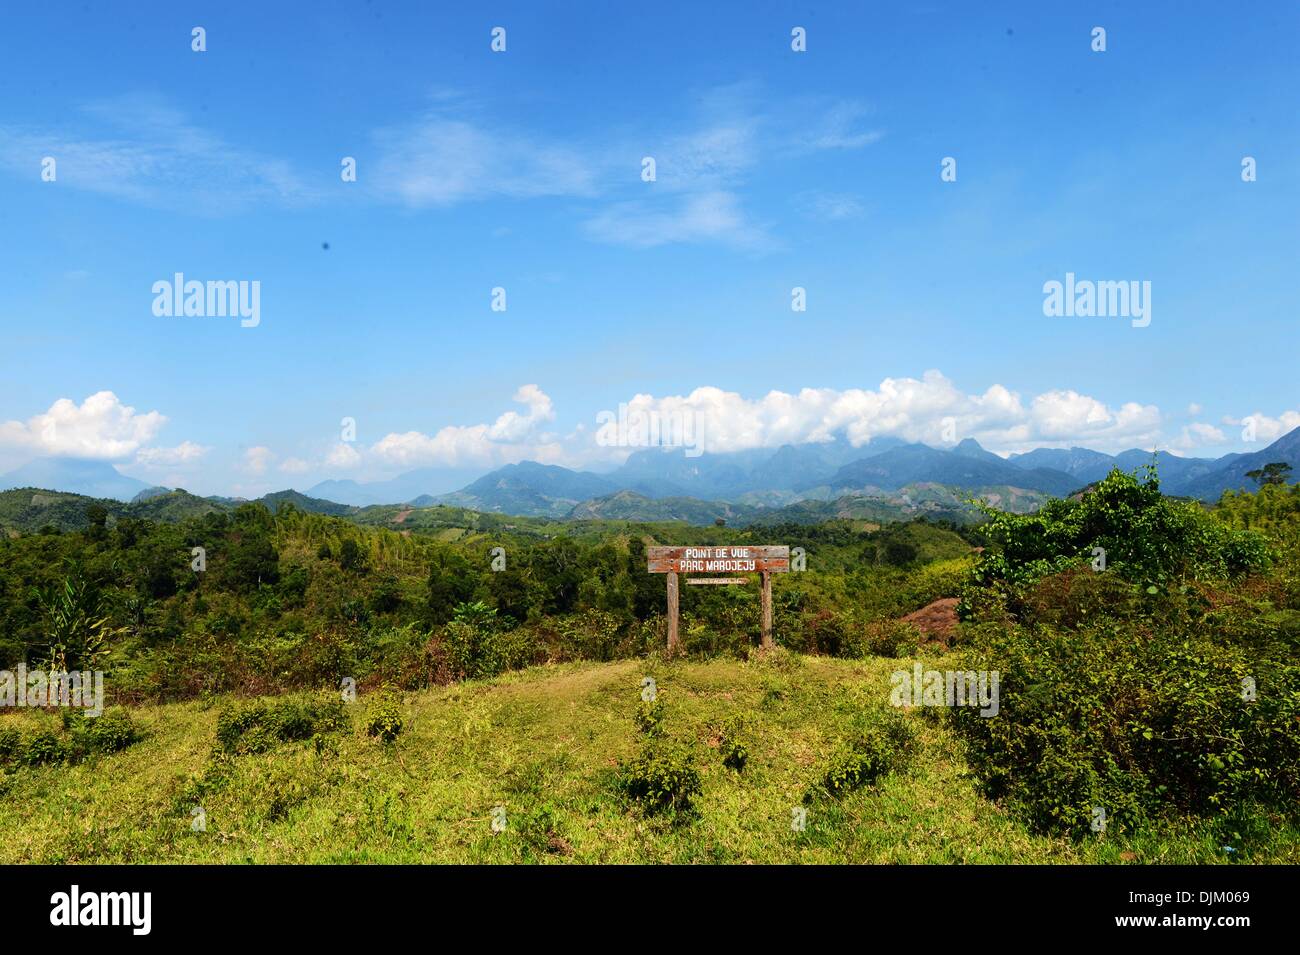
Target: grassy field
column 544, row 743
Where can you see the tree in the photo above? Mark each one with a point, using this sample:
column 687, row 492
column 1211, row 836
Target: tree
column 251, row 561
column 452, row 581
column 1278, row 472
column 76, row 622
column 351, row 557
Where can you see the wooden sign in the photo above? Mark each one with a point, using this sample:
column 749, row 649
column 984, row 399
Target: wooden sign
column 732, row 559
column 718, row 560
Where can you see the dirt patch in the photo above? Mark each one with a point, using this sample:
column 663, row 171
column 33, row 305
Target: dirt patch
column 401, row 516
column 938, row 620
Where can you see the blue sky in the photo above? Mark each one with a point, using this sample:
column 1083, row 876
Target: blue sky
column 522, row 170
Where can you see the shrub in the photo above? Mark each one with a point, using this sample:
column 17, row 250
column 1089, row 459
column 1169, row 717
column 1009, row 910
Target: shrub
column 1138, row 726
column 661, row 779
column 649, row 716
column 826, row 632
column 110, row 733
column 1148, row 539
column 1079, row 596
column 10, row 744
column 384, row 718
column 473, row 642
column 256, row 727
column 43, row 747
column 889, row 638
column 880, row 746
column 234, row 721
column 80, row 737
column 731, row 744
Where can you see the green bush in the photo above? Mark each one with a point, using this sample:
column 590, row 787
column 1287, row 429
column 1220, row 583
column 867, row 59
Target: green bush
column 109, row 733
column 43, row 747
column 474, row 645
column 881, row 745
column 245, row 728
column 1138, row 726
column 661, row 778
column 384, row 718
column 11, row 742
column 887, row 638
column 78, row 738
column 731, row 743
column 826, row 632
column 649, row 716
column 1148, row 539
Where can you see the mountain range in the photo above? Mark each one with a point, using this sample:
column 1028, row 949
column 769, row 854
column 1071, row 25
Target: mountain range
column 827, row 479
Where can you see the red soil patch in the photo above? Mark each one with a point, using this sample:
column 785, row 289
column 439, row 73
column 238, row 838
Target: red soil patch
column 400, row 516
column 937, row 620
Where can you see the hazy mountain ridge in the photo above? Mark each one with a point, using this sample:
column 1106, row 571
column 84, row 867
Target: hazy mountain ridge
column 91, row 478
column 881, row 477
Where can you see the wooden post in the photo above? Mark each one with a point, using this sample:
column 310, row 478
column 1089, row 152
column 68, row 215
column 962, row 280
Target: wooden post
column 767, row 611
column 674, row 644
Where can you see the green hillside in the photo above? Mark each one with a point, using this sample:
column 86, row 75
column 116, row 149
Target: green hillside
column 27, row 510
column 503, row 658
column 541, row 751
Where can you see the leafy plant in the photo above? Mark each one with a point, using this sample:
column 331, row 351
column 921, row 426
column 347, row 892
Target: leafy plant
column 880, row 746
column 76, row 620
column 1142, row 536
column 661, row 778
column 731, row 743
column 1174, row 722
column 257, row 727
column 384, row 718
column 474, row 641
column 649, row 716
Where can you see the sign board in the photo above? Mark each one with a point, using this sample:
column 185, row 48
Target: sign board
column 718, row 560
column 732, row 559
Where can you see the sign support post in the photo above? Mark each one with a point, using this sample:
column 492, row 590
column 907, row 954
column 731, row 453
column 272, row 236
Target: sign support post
column 767, row 610
column 674, row 642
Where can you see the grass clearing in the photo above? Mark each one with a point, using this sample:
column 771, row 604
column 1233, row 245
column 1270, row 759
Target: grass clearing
column 544, row 744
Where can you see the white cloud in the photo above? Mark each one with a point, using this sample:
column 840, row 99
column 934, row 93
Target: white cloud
column 1268, row 430
column 100, row 427
column 294, row 466
column 342, row 456
column 704, row 217
column 707, row 157
column 187, row 452
column 512, row 437
column 141, row 149
column 829, row 206
column 835, row 128
column 908, row 408
column 257, row 459
column 1195, row 436
column 448, row 155
column 439, row 161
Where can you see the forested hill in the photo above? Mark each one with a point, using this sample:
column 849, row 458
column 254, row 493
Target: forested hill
column 30, row 510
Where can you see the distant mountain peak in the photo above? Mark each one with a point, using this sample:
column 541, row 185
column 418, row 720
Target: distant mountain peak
column 90, row 477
